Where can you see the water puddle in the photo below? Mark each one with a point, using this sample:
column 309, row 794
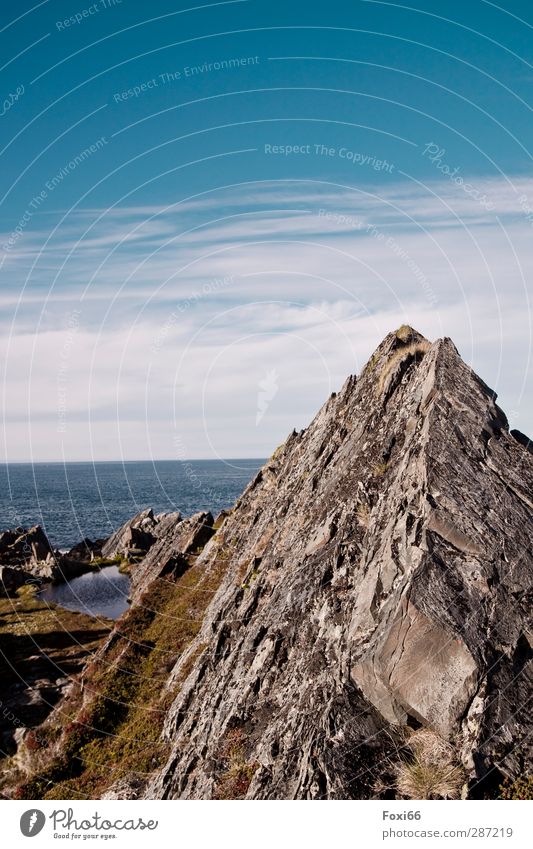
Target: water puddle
column 103, row 593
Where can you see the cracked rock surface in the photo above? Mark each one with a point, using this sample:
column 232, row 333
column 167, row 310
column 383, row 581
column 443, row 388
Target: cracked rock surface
column 379, row 577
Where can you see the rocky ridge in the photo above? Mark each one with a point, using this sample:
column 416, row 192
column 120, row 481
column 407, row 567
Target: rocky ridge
column 374, row 579
column 380, row 579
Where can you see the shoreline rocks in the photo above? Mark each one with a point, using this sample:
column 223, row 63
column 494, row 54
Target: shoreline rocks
column 371, row 588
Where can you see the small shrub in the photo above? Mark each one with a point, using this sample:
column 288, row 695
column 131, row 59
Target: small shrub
column 237, row 771
column 32, row 742
column 522, row 788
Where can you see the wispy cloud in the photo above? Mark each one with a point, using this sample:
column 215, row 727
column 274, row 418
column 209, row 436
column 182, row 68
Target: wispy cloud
column 315, row 275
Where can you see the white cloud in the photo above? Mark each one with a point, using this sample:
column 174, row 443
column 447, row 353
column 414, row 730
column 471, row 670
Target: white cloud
column 163, row 348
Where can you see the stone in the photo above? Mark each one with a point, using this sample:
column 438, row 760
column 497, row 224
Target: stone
column 375, row 577
column 176, row 538
column 135, row 533
column 379, row 579
column 11, row 580
column 20, row 547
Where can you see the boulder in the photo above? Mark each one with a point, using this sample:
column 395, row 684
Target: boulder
column 86, row 550
column 134, row 537
column 20, row 547
column 11, row 579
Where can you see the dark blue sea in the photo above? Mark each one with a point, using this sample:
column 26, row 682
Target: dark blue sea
column 77, row 500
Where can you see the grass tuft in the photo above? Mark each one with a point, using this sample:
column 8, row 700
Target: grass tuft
column 415, row 349
column 431, row 772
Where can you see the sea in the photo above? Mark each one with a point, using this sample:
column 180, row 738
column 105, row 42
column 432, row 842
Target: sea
column 73, row 501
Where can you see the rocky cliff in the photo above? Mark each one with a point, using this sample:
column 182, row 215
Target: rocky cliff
column 371, row 586
column 380, row 576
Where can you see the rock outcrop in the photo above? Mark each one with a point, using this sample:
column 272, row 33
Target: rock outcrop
column 21, row 547
column 373, row 579
column 133, row 539
column 26, row 557
column 380, row 579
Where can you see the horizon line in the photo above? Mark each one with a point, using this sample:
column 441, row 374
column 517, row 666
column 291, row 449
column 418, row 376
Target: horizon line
column 121, row 461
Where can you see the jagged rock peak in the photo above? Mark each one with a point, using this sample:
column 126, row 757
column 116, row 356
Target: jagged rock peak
column 374, row 578
column 379, row 579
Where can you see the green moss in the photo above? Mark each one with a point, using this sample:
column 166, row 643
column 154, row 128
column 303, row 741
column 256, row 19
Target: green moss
column 235, row 772
column 522, row 788
column 118, row 731
column 102, row 562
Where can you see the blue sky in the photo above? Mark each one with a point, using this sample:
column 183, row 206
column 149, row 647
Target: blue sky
column 211, row 214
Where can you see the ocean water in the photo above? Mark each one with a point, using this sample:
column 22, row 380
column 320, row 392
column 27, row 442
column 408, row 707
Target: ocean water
column 77, row 500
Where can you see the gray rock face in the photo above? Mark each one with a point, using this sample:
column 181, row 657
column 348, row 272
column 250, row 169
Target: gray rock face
column 20, row 547
column 380, row 576
column 29, row 554
column 134, row 537
column 175, row 539
column 11, row 579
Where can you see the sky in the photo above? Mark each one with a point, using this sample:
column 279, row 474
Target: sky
column 211, row 214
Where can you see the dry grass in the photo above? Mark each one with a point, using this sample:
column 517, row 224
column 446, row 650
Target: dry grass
column 237, row 772
column 416, row 349
column 432, row 772
column 405, row 333
column 117, row 733
column 363, row 514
